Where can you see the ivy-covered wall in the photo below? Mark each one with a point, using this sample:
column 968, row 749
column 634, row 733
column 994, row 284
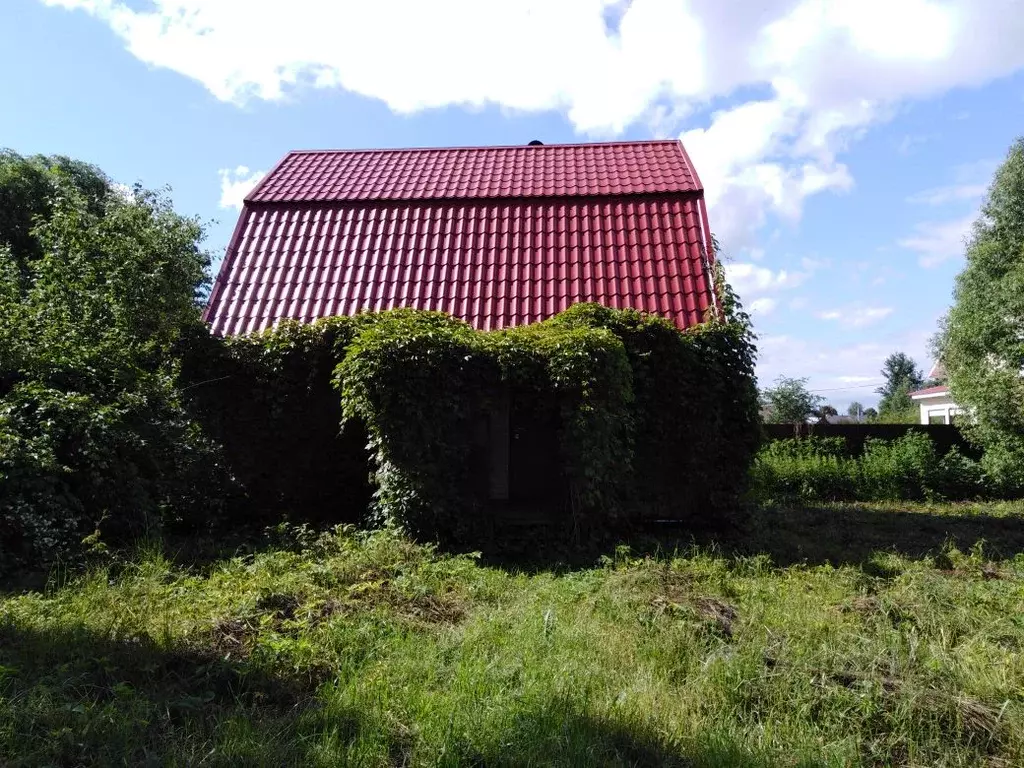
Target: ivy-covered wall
column 648, row 422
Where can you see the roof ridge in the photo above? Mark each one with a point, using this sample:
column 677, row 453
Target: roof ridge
column 360, row 150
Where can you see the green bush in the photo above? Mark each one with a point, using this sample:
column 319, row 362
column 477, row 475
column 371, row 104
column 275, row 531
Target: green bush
column 96, row 288
column 905, row 469
column 960, row 477
column 421, row 383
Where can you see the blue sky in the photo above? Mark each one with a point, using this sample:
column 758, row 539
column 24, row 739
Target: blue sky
column 845, row 146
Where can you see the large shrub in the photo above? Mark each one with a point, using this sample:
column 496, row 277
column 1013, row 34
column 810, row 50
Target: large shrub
column 96, row 288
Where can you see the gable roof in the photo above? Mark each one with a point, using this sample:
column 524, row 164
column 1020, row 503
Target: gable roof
column 929, row 392
column 498, row 236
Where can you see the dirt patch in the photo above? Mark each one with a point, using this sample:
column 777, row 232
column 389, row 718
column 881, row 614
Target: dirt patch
column 865, row 606
column 712, row 612
column 233, row 638
column 427, row 608
column 280, row 605
column 720, row 613
column 990, row 572
column 434, row 609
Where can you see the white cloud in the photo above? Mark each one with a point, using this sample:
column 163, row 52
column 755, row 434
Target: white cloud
column 749, row 279
column 824, row 71
column 841, row 372
column 948, row 194
column 763, row 306
column 236, row 184
column 124, row 191
column 938, row 242
column 856, row 316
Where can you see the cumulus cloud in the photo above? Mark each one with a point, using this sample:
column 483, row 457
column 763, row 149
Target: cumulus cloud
column 937, row 242
column 748, row 278
column 763, row 306
column 840, row 372
column 235, row 184
column 815, row 74
column 857, row 316
column 757, row 285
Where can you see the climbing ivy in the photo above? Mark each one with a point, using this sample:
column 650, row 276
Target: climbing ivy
column 650, row 422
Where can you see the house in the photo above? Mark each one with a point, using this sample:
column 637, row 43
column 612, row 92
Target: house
column 497, row 236
column 936, row 403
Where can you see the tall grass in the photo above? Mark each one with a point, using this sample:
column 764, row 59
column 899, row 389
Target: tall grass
column 908, row 468
column 369, row 650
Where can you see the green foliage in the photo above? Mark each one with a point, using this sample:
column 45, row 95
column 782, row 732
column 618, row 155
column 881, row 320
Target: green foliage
column 908, row 468
column 905, row 468
column 789, row 401
column 96, row 288
column 981, row 345
column 626, row 388
column 266, row 400
column 902, row 376
column 417, row 381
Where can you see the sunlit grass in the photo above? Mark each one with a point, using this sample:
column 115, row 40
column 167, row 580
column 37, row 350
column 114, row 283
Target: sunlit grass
column 369, row 650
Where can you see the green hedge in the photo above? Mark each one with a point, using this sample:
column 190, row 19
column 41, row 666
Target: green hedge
column 651, row 422
column 908, row 468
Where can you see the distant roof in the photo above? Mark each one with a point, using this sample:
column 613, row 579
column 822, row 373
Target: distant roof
column 498, row 236
column 930, row 392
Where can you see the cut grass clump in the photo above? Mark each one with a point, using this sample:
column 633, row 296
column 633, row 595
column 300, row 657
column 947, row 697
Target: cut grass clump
column 789, row 647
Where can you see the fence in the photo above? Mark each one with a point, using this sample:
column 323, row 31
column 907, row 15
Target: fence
column 944, row 436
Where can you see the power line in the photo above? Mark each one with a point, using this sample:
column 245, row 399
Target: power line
column 856, row 386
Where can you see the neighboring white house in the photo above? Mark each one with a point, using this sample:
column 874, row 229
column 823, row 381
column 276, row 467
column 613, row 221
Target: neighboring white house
column 936, row 403
column 937, row 406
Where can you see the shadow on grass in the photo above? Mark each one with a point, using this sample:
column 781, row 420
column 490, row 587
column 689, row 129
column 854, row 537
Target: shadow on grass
column 74, row 697
column 838, row 534
column 71, row 696
column 853, row 534
column 561, row 735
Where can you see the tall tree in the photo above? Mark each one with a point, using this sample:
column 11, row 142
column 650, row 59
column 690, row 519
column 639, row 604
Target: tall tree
column 856, row 410
column 902, row 376
column 789, row 401
column 981, row 342
column 97, row 290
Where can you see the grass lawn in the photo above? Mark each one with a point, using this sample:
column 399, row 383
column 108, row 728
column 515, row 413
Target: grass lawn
column 854, row 635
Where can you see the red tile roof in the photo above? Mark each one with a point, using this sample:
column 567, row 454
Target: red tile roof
column 941, row 390
column 498, row 236
column 625, row 168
